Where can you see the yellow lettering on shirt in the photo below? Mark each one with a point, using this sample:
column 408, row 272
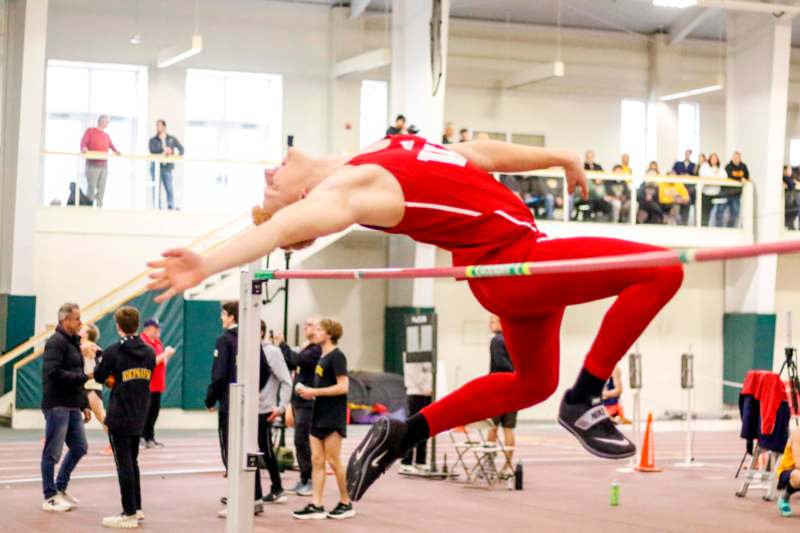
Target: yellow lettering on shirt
column 135, row 373
column 318, row 371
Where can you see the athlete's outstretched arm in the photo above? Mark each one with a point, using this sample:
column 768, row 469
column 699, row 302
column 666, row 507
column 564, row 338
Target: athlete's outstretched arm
column 499, row 156
column 321, row 213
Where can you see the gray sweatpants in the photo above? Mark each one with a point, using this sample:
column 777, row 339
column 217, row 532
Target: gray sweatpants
column 96, row 176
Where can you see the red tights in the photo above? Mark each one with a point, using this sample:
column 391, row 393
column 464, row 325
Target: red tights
column 531, row 309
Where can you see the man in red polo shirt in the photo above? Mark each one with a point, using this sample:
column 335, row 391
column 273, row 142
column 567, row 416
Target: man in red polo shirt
column 151, row 334
column 97, row 140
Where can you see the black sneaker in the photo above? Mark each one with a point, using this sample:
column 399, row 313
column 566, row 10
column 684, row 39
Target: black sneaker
column 310, row 512
column 275, row 497
column 594, row 429
column 374, row 455
column 342, row 511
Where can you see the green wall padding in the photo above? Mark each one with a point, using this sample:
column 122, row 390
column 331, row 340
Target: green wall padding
column 202, row 327
column 17, row 322
column 191, row 327
column 748, row 343
column 169, row 313
column 394, row 336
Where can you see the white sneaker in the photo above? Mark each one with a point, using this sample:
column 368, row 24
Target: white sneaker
column 139, row 515
column 69, row 498
column 408, row 469
column 258, row 508
column 121, row 521
column 56, row 505
column 422, row 469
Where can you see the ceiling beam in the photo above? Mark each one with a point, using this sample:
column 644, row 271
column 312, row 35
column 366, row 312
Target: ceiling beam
column 363, row 62
column 778, row 10
column 687, row 22
column 357, row 8
column 540, row 72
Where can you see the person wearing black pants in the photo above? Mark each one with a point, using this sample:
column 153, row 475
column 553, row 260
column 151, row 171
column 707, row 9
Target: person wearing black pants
column 223, row 373
column 303, row 364
column 418, row 378
column 128, row 364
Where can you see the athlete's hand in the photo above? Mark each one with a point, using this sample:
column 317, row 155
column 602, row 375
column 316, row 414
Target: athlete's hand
column 180, row 269
column 576, row 177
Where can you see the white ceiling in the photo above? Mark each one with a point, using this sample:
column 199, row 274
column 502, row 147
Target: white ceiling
column 638, row 16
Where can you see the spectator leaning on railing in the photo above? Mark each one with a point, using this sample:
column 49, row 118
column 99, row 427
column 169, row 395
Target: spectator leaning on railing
column 711, row 207
column 736, row 170
column 97, row 140
column 163, row 143
column 686, row 166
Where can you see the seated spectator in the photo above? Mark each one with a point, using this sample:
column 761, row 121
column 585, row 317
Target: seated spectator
column 791, row 195
column 788, row 473
column 736, row 170
column 399, row 127
column 625, row 164
column 619, row 196
column 686, row 166
column 612, row 392
column 647, row 196
column 464, row 135
column 543, row 194
column 596, row 208
column 589, row 162
column 652, row 168
column 672, row 197
column 712, row 197
column 449, row 133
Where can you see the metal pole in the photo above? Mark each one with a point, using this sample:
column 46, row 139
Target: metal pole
column 287, row 257
column 434, row 366
column 243, row 421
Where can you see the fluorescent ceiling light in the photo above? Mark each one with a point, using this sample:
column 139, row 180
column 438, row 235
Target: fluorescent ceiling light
column 136, row 38
column 176, row 54
column 692, row 92
column 675, row 3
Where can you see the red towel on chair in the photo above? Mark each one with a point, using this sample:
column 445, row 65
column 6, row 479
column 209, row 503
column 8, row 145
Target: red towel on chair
column 769, row 390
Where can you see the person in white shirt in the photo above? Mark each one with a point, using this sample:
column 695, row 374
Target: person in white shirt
column 712, row 198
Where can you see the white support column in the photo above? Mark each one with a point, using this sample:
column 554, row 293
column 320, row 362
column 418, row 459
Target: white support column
column 757, row 86
column 412, row 94
column 23, row 77
column 664, row 63
column 243, row 421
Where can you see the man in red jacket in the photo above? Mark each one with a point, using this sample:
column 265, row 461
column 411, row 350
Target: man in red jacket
column 97, row 140
column 151, row 335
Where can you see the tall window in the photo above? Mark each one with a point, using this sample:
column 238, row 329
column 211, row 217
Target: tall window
column 236, row 117
column 77, row 94
column 794, row 152
column 688, row 128
column 374, row 111
column 633, row 133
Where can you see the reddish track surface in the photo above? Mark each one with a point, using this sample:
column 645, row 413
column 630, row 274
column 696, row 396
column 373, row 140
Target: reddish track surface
column 565, row 490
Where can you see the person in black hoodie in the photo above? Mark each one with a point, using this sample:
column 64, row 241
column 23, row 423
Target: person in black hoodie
column 223, row 373
column 303, row 364
column 63, row 400
column 128, row 365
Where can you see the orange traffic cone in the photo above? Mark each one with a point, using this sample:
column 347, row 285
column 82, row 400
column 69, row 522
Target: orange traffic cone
column 648, row 460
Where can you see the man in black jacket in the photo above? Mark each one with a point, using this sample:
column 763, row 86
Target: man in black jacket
column 163, row 143
column 128, row 365
column 223, row 373
column 65, row 408
column 303, row 364
column 501, row 362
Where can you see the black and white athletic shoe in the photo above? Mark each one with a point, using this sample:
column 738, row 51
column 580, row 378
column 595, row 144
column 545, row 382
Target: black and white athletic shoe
column 342, row 511
column 374, row 455
column 594, row 429
column 310, row 512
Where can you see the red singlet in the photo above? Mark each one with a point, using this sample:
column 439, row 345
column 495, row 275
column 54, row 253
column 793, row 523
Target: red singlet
column 451, row 203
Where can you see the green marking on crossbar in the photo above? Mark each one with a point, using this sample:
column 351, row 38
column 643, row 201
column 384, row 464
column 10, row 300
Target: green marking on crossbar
column 687, row 256
column 263, row 274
